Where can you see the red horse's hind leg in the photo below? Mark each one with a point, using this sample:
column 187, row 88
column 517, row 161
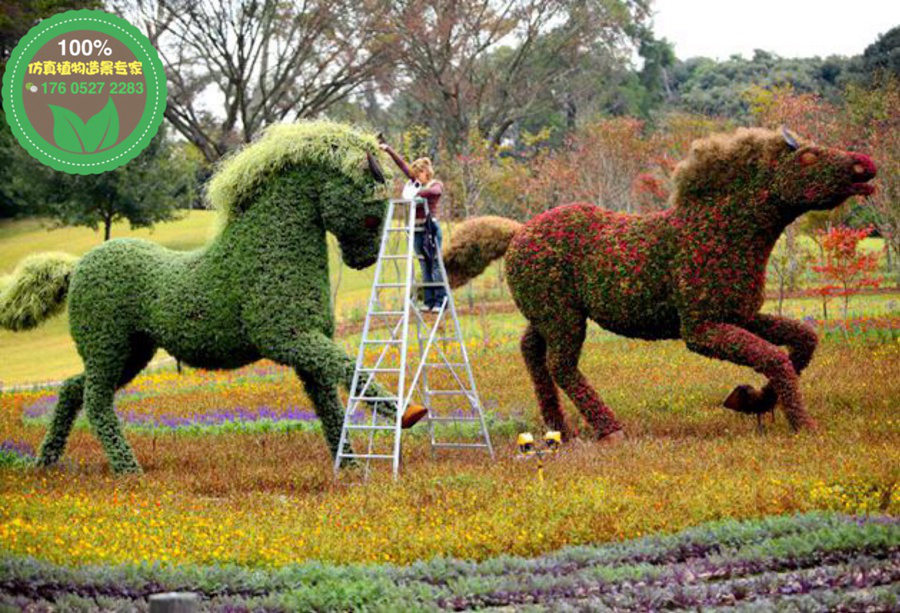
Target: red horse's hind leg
column 734, row 344
column 534, row 350
column 564, row 348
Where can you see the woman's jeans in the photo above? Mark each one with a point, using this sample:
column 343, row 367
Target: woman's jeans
column 431, row 271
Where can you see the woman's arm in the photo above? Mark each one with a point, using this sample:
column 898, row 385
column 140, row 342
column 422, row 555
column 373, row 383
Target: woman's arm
column 401, row 164
column 435, row 189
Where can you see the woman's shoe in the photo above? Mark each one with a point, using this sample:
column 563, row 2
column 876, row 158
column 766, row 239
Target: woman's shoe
column 413, row 414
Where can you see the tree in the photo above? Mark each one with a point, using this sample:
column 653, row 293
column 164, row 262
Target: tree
column 703, row 85
column 489, row 64
column 882, row 58
column 261, row 61
column 16, row 18
column 874, row 115
column 145, row 191
column 788, row 259
column 845, row 269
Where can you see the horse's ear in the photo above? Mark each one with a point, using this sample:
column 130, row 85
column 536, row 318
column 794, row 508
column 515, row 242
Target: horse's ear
column 375, row 168
column 790, row 138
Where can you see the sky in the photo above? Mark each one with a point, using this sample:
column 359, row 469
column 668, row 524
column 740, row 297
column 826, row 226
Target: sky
column 789, row 28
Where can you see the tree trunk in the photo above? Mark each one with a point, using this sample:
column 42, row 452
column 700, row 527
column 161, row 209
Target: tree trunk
column 107, row 227
column 780, row 293
column 571, row 111
column 791, row 248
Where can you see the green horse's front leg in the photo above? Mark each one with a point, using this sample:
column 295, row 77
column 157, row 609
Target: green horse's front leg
column 322, row 366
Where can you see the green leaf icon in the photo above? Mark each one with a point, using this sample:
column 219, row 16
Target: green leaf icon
column 72, row 134
column 102, row 130
column 66, row 129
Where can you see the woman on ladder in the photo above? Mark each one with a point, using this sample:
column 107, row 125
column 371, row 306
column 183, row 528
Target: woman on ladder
column 421, row 176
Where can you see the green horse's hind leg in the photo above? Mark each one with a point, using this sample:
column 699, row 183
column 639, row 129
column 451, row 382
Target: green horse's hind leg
column 102, row 377
column 71, row 395
column 99, row 389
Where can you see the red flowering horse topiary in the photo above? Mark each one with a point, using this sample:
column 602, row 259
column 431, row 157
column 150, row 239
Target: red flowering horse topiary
column 695, row 271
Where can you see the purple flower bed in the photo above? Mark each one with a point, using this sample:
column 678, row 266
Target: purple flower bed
column 240, row 415
column 14, row 452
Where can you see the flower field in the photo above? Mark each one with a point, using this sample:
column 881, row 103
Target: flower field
column 238, row 481
column 237, row 472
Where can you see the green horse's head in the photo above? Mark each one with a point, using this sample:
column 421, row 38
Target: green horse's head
column 332, row 166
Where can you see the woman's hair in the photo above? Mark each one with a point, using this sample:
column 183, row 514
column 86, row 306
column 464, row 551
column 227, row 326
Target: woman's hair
column 422, row 164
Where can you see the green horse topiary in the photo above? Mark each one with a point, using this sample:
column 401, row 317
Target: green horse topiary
column 695, row 271
column 259, row 289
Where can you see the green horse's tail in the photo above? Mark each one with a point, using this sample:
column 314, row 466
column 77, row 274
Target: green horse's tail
column 36, row 290
column 476, row 243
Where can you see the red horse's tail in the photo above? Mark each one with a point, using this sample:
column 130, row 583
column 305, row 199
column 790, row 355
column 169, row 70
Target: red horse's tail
column 476, row 243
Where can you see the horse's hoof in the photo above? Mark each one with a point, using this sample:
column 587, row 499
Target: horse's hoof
column 414, row 413
column 739, row 399
column 613, row 438
column 804, row 424
column 747, row 399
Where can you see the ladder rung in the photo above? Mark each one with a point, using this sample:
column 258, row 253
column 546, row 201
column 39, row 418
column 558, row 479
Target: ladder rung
column 450, row 392
column 379, row 370
column 361, row 427
column 431, row 284
column 374, row 398
column 459, row 445
column 397, row 229
column 377, row 341
column 368, row 456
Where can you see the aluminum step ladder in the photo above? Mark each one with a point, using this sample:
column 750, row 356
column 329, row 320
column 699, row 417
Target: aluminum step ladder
column 436, row 373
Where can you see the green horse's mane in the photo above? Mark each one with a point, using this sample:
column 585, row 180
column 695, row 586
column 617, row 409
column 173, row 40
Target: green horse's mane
column 240, row 175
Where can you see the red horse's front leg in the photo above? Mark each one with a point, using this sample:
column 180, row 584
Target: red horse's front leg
column 801, row 341
column 735, row 344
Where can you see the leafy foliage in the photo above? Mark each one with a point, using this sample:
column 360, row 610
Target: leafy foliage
column 845, row 269
column 260, row 288
column 36, row 290
column 695, row 271
column 718, row 88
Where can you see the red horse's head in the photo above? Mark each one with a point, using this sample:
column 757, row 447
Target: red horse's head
column 809, row 177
